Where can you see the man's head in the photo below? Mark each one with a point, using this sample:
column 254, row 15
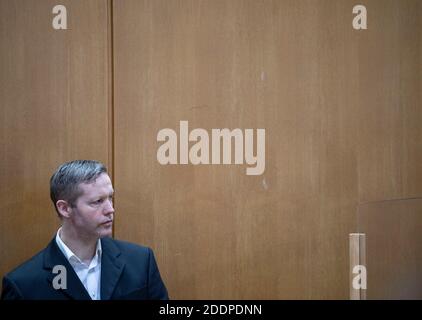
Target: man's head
column 82, row 194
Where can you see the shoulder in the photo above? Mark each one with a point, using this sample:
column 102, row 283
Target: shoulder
column 27, row 269
column 25, row 279
column 126, row 248
column 138, row 259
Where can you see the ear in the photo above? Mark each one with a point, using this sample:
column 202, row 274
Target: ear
column 64, row 208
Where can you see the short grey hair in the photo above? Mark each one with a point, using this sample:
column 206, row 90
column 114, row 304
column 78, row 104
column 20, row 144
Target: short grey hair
column 64, row 183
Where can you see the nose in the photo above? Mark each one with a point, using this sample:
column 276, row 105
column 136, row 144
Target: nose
column 108, row 208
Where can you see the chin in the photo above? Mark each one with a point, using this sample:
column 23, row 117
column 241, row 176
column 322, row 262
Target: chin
column 106, row 236
column 106, row 233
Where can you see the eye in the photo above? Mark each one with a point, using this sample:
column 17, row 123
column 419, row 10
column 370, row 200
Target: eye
column 99, row 201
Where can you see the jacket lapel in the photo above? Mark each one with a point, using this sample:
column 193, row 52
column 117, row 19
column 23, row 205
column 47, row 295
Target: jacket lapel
column 74, row 287
column 111, row 268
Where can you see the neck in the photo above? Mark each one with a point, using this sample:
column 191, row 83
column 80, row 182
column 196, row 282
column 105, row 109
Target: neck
column 82, row 247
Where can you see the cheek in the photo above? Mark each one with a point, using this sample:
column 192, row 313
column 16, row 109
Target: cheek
column 87, row 216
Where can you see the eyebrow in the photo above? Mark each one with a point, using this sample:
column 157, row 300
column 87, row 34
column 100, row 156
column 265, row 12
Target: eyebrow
column 104, row 196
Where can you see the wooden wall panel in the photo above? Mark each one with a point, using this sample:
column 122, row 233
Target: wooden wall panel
column 341, row 112
column 54, row 107
column 390, row 117
column 287, row 66
column 393, row 248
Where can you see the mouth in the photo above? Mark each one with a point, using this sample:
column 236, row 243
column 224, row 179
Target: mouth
column 107, row 222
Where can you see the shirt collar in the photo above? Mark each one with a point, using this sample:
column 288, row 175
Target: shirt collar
column 70, row 256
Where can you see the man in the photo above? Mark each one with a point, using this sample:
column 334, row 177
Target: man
column 83, row 261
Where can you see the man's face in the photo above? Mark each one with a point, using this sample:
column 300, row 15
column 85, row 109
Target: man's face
column 92, row 215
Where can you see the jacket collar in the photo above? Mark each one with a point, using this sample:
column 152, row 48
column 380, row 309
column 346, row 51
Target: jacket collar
column 74, row 287
column 111, row 269
column 112, row 266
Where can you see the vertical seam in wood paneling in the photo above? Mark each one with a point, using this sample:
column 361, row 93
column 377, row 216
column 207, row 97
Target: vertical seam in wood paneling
column 110, row 39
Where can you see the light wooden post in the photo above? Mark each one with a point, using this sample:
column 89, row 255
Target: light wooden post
column 357, row 260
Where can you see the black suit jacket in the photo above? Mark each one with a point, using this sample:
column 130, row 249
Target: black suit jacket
column 128, row 271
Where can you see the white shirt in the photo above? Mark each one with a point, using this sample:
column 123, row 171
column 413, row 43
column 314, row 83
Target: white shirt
column 90, row 276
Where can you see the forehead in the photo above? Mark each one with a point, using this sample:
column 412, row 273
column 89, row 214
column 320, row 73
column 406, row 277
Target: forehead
column 101, row 186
